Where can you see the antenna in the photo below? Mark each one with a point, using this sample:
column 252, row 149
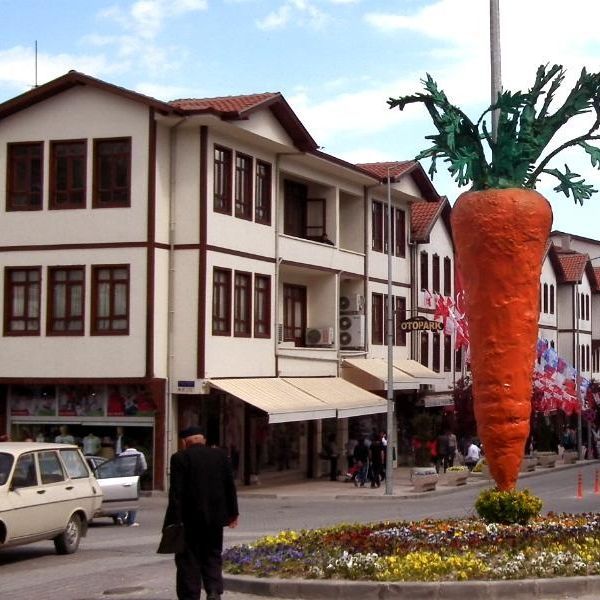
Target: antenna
column 36, row 68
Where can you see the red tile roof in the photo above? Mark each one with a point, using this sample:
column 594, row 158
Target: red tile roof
column 571, row 265
column 224, row 104
column 596, row 287
column 422, row 218
column 396, row 169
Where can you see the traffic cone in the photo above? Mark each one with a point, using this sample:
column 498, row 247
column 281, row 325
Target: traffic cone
column 597, row 483
column 580, row 485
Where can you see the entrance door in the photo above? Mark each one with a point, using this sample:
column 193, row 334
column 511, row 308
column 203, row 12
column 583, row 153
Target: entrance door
column 294, row 313
column 295, row 195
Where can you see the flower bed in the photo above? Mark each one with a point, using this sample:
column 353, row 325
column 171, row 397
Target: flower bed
column 428, row 550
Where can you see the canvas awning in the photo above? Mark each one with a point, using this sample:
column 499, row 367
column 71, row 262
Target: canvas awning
column 418, row 371
column 302, row 398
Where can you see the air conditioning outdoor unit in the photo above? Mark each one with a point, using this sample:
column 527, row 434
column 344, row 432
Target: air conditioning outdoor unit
column 352, row 331
column 352, row 303
column 319, row 336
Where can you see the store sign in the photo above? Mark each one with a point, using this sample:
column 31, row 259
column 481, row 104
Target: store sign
column 421, row 324
column 192, row 386
column 434, row 400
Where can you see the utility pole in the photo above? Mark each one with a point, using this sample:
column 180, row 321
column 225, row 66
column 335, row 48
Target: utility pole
column 391, row 434
column 495, row 62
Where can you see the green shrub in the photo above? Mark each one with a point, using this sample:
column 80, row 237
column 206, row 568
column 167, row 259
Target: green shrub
column 495, row 506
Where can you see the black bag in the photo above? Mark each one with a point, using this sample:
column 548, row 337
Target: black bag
column 172, row 540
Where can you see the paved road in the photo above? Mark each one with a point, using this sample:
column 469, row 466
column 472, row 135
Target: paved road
column 120, row 562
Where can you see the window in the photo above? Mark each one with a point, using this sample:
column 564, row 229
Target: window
column 435, row 268
column 75, row 465
column 22, row 301
column 425, row 348
column 243, row 186
column 222, row 180
column 447, row 353
column 262, row 306
column 110, row 300
column 263, row 193
column 65, row 300
column 25, row 474
column 400, row 229
column 447, row 276
column 67, row 174
column 112, row 173
column 458, row 359
column 400, row 316
column 587, row 357
column 295, row 197
column 50, row 468
column 551, row 299
column 424, row 271
column 385, row 228
column 587, row 307
column 242, row 304
column 377, row 226
column 221, row 302
column 436, row 352
column 24, row 176
column 377, row 319
column 294, row 313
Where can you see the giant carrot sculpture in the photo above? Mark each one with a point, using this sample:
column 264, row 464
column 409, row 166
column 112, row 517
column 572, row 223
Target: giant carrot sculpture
column 500, row 228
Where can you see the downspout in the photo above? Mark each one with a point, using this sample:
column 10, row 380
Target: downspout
column 366, row 250
column 171, row 292
column 414, row 294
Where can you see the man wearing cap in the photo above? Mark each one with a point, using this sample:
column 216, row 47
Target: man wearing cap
column 203, row 497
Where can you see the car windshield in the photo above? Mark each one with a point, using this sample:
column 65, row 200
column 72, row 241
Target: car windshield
column 6, row 461
column 122, row 466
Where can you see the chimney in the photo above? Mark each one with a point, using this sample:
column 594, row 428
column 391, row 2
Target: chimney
column 565, row 241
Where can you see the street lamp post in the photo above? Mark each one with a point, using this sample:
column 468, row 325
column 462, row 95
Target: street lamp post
column 389, row 485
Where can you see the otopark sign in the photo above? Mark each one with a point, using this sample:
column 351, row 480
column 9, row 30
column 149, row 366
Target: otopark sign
column 421, row 324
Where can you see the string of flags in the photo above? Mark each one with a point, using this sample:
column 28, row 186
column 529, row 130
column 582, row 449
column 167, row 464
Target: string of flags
column 452, row 314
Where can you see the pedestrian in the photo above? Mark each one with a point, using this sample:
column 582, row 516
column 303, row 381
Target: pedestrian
column 473, row 455
column 202, row 497
column 361, row 457
column 441, row 451
column 130, row 518
column 376, row 461
column 331, row 451
column 452, row 448
column 350, row 446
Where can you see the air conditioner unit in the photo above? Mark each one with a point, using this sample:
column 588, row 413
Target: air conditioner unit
column 352, row 331
column 319, row 336
column 352, row 303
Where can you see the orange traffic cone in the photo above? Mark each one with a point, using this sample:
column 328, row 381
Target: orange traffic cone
column 580, row 485
column 597, row 483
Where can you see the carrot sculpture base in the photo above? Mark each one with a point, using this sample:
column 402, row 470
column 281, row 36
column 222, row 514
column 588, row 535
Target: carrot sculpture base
column 500, row 237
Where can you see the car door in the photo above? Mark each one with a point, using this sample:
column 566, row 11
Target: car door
column 119, row 480
column 83, row 489
column 56, row 490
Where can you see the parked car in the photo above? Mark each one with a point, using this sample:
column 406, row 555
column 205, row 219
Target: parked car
column 119, row 479
column 47, row 492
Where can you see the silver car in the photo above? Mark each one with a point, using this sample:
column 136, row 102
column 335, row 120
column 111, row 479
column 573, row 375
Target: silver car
column 47, row 492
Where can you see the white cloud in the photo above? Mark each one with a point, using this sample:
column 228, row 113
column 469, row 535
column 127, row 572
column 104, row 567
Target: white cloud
column 167, row 92
column 297, row 12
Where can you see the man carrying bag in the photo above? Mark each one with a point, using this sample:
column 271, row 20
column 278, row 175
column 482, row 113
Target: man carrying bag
column 202, row 500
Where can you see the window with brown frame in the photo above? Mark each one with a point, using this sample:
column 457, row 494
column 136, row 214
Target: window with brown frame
column 243, row 186
column 424, row 271
column 24, row 176
column 551, row 299
column 262, row 306
column 400, row 230
column 377, row 226
column 110, row 300
column 67, row 174
column 242, row 304
column 425, row 348
column 377, row 319
column 447, row 276
column 262, row 203
column 435, row 275
column 221, row 302
column 436, row 352
column 400, row 316
column 222, row 180
column 66, row 287
column 294, row 313
column 458, row 360
column 22, row 288
column 112, row 173
column 385, row 228
column 447, row 353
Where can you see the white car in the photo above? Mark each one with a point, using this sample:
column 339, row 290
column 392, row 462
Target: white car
column 46, row 492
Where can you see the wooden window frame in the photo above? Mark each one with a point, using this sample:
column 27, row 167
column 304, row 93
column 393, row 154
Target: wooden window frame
column 243, row 186
column 447, row 276
column 424, row 270
column 377, row 319
column 400, row 316
column 71, row 189
column 262, row 309
column 552, row 298
column 69, row 317
column 242, row 311
column 222, row 185
column 294, row 293
column 447, row 353
column 263, row 193
column 113, row 166
column 424, row 348
column 33, row 189
column 400, row 231
column 29, row 293
column 436, row 348
column 221, row 296
column 545, row 298
column 435, row 274
column 112, row 282
column 377, row 226
column 458, row 353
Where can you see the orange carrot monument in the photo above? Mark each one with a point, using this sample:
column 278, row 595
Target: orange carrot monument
column 500, row 229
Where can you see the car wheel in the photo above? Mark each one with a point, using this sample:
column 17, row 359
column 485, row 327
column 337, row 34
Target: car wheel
column 68, row 541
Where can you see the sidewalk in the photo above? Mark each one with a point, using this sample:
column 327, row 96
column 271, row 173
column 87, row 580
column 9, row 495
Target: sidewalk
column 401, row 487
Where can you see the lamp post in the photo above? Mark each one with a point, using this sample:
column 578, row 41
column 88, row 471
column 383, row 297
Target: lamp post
column 389, row 485
column 495, row 60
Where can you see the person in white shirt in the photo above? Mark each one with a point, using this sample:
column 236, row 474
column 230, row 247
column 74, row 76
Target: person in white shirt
column 91, row 444
column 473, row 455
column 129, row 518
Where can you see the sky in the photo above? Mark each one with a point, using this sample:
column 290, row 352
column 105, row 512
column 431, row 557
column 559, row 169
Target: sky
column 335, row 61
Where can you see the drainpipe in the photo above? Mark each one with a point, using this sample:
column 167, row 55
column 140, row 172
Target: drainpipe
column 414, row 295
column 171, row 291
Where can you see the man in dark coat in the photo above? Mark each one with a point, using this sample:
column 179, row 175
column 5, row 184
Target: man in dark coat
column 203, row 497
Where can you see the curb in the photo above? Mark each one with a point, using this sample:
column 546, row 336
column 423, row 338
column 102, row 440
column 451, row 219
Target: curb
column 312, row 589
